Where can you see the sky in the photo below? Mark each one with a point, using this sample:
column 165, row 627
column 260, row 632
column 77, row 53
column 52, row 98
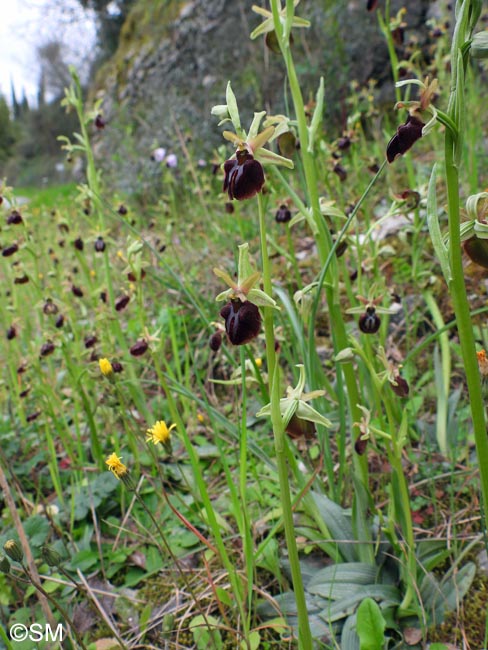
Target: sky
column 26, row 24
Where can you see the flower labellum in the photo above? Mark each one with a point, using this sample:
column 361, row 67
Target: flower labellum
column 369, row 322
column 283, row 214
column 405, row 137
column 242, row 321
column 139, row 348
column 244, row 176
column 477, row 250
column 400, row 386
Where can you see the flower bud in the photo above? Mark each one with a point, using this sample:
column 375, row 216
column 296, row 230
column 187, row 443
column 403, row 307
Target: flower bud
column 51, row 557
column 4, row 565
column 13, row 550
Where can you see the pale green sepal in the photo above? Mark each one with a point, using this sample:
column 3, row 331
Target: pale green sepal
column 225, row 295
column 254, row 128
column 296, row 219
column 475, row 212
column 266, row 156
column 317, row 116
column 301, row 22
column 288, row 409
column 244, row 268
column 427, row 128
column 346, row 355
column 265, row 27
column 307, row 412
column 232, row 108
column 261, row 299
column 481, row 229
column 466, row 231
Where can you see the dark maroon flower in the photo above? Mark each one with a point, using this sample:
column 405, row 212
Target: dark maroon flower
column 121, row 302
column 59, row 322
column 298, row 428
column 242, row 321
column 271, row 41
column 287, row 144
column 78, row 244
column 369, row 322
column 132, row 277
column 50, row 307
column 244, row 176
column 400, row 387
column 229, row 207
column 33, row 416
column 215, row 341
column 372, row 4
column 138, row 348
column 344, row 143
column 11, row 333
column 122, row 210
column 99, row 245
column 76, row 291
column 23, row 279
column 90, row 341
column 405, row 137
column 24, row 393
column 14, row 218
column 341, row 248
column 99, row 122
column 117, row 366
column 477, row 250
column 340, row 171
column 46, row 349
column 398, row 36
column 360, row 445
column 10, row 250
column 283, row 214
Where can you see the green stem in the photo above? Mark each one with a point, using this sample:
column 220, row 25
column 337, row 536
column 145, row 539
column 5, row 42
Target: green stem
column 457, row 289
column 304, row 634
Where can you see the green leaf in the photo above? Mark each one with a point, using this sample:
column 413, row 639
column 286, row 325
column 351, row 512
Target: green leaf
column 205, row 636
column 370, row 625
column 339, row 525
column 253, row 641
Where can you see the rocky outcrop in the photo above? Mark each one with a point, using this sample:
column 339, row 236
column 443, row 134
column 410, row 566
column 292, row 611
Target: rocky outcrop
column 175, row 59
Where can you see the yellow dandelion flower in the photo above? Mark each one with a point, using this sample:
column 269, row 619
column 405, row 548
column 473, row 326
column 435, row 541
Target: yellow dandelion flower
column 159, row 433
column 105, row 367
column 259, row 362
column 200, row 418
column 92, row 273
column 116, row 466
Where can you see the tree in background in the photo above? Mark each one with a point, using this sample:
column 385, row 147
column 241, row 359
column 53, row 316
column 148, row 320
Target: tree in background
column 111, row 15
column 7, row 132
